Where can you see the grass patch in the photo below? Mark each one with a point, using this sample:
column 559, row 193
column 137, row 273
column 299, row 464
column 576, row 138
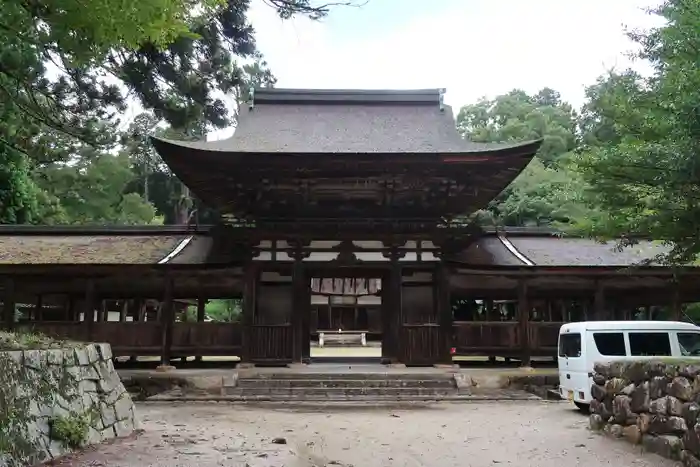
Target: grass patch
column 29, row 341
column 71, row 431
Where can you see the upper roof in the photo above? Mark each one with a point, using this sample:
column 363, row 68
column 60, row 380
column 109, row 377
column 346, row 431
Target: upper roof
column 297, row 121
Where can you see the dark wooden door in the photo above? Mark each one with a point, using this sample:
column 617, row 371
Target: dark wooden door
column 271, row 334
column 421, row 337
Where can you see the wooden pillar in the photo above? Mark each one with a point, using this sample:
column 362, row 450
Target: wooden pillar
column 89, row 302
column 248, row 311
column 524, row 322
column 444, row 311
column 38, row 307
column 167, row 320
column 8, row 303
column 391, row 313
column 298, row 305
column 201, row 307
column 599, row 311
column 124, row 310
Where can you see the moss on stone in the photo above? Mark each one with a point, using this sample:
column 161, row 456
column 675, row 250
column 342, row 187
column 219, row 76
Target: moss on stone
column 10, row 341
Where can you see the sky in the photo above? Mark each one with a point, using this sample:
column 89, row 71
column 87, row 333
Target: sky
column 473, row 48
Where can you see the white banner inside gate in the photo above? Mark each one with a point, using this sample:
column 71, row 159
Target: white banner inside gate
column 347, row 286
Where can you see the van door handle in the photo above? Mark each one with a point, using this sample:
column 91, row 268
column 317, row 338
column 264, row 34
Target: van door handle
column 568, row 376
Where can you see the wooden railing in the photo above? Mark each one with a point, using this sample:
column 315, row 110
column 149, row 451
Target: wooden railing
column 486, row 338
column 146, row 338
column 503, row 338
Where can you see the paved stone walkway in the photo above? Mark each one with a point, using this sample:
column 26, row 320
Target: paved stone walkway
column 522, row 434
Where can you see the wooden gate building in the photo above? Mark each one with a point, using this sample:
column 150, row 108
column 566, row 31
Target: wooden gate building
column 324, row 193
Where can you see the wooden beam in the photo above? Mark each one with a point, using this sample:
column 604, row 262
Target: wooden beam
column 297, row 318
column 167, row 319
column 524, row 323
column 8, row 303
column 676, row 305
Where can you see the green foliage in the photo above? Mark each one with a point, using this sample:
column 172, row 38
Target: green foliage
column 71, row 430
column 647, row 181
column 228, row 311
column 517, row 116
column 28, row 341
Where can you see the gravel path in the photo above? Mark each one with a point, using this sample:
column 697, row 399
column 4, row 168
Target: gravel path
column 521, row 434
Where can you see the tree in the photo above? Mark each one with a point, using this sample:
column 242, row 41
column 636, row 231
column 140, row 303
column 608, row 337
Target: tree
column 516, row 116
column 544, row 194
column 649, row 182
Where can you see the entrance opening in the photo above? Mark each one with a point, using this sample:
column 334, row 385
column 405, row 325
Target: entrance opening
column 346, row 322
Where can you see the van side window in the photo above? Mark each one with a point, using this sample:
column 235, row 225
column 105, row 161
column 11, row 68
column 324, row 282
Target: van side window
column 610, row 343
column 650, row 344
column 689, row 343
column 570, row 345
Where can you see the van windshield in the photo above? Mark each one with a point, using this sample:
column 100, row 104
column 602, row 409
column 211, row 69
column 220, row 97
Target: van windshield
column 570, row 345
column 689, row 343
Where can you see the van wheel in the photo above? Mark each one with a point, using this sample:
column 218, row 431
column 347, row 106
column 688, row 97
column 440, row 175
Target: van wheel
column 585, row 408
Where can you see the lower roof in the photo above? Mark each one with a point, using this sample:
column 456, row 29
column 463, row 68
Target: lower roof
column 179, row 246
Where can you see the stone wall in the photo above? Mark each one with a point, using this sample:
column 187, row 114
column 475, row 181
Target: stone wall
column 652, row 403
column 57, row 400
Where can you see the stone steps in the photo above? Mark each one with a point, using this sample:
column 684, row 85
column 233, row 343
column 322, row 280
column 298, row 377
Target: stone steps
column 266, row 383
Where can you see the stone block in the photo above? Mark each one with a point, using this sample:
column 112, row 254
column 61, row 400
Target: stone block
column 680, row 388
column 636, row 372
column 639, row 398
column 598, row 392
column 614, row 430
column 621, row 409
column 116, row 394
column 34, row 359
column 599, row 379
column 689, row 371
column 691, row 410
column 632, row 434
column 89, row 372
column 689, row 459
column 87, row 385
column 16, row 356
column 614, row 386
column 81, row 356
column 667, row 446
column 108, row 383
column 92, row 353
column 123, row 428
column 124, row 407
column 105, row 351
column 674, row 406
column 56, row 449
column 663, row 425
column 658, row 386
column 108, row 433
column 107, row 414
column 659, row 406
column 609, row 369
column 54, row 357
column 69, row 358
column 596, row 422
column 94, row 437
column 691, row 439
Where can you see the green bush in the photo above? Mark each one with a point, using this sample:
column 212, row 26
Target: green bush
column 71, row 430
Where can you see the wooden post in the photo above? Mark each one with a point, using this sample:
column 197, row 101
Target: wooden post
column 89, row 303
column 524, row 321
column 297, row 317
column 248, row 311
column 201, row 307
column 8, row 303
column 599, row 313
column 444, row 311
column 124, row 310
column 167, row 317
column 391, row 312
column 38, row 308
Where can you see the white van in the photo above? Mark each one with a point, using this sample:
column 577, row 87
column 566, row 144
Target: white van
column 585, row 343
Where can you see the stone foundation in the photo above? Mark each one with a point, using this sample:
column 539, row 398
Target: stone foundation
column 55, row 401
column 653, row 403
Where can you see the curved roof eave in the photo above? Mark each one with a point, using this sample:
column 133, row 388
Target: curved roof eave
column 166, row 147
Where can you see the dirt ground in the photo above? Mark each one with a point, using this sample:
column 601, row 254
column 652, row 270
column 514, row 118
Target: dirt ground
column 442, row 435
